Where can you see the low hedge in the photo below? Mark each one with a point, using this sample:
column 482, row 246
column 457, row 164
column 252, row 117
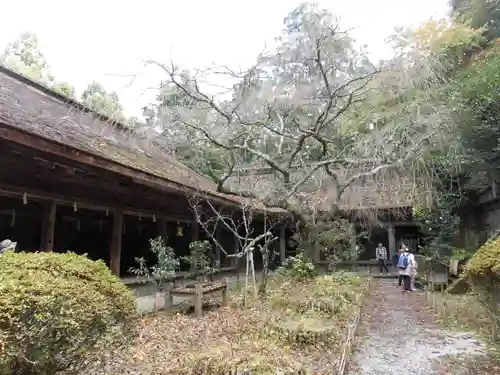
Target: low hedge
column 56, row 308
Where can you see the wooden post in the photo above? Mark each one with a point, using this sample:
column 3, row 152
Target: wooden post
column 217, row 247
column 196, row 230
column 391, row 233
column 225, row 292
column 282, row 244
column 48, row 227
column 198, row 300
column 116, row 243
column 353, row 237
column 236, row 250
column 169, row 300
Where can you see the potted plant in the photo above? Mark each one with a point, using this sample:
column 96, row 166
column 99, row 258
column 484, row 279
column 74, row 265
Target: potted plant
column 161, row 272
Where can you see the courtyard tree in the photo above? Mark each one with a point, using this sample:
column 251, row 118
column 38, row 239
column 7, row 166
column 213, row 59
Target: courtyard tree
column 316, row 109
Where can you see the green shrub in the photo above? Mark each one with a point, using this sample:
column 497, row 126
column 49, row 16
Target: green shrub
column 484, row 266
column 55, row 308
column 297, row 268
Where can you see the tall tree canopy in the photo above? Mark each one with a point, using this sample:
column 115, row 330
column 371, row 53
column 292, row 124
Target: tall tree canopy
column 315, row 103
column 25, row 57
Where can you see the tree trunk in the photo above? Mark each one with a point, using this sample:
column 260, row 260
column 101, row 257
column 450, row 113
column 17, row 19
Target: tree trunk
column 265, row 270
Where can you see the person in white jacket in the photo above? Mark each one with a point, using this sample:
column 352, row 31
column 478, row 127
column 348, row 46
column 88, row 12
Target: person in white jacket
column 412, row 270
column 405, row 267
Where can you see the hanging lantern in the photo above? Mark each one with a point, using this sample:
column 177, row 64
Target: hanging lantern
column 154, row 218
column 75, row 208
column 25, row 198
column 13, row 218
column 179, row 230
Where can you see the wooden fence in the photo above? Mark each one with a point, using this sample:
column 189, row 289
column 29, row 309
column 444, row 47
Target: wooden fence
column 351, row 332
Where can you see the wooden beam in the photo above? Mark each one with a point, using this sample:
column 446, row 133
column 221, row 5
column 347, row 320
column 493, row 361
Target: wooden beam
column 148, row 179
column 15, row 192
column 116, row 243
column 48, row 227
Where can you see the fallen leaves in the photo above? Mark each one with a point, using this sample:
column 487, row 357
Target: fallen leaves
column 278, row 331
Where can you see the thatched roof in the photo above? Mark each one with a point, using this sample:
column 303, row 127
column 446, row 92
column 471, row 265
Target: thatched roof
column 32, row 108
column 393, row 190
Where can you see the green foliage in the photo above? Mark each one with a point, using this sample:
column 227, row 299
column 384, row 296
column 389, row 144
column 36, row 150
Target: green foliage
column 297, row 268
column 439, row 225
column 330, row 237
column 461, row 254
column 482, row 272
column 163, row 270
column 485, row 263
column 479, row 13
column 199, row 258
column 54, row 308
column 106, row 103
column 478, row 107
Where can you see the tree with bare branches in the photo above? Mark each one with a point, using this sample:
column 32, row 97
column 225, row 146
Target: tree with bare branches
column 314, row 108
column 238, row 222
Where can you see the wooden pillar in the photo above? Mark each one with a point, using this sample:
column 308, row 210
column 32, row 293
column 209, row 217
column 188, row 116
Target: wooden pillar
column 282, row 244
column 217, row 248
column 353, row 237
column 116, row 243
column 162, row 230
column 196, row 230
column 48, row 227
column 234, row 260
column 391, row 232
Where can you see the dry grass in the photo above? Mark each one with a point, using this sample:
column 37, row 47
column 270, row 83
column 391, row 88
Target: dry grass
column 465, row 312
column 297, row 326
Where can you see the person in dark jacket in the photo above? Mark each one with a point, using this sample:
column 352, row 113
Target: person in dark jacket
column 395, row 260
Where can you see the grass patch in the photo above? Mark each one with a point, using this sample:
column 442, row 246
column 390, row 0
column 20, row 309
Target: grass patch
column 465, row 312
column 296, row 326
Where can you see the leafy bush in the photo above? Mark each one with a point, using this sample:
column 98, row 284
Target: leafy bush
column 54, row 308
column 199, row 259
column 297, row 268
column 484, row 266
column 163, row 270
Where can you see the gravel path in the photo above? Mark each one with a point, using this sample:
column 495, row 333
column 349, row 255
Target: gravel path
column 398, row 335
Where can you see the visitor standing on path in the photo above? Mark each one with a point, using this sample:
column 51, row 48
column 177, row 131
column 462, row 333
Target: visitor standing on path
column 405, row 264
column 381, row 254
column 395, row 261
column 412, row 270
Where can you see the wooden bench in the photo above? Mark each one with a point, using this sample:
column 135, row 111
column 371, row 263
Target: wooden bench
column 197, row 291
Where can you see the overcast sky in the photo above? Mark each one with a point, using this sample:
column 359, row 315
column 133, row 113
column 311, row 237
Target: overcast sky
column 107, row 40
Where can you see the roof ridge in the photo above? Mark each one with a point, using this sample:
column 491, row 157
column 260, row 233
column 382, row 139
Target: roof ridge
column 119, row 126
column 61, row 97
